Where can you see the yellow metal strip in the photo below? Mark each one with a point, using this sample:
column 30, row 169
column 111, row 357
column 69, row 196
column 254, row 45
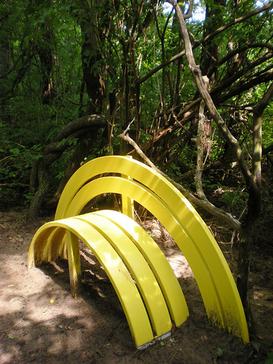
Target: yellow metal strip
column 151, row 202
column 47, row 249
column 56, row 242
column 73, row 261
column 95, row 167
column 118, row 274
column 138, row 268
column 219, row 292
column 127, row 203
column 157, row 261
column 37, row 246
column 194, row 238
column 127, row 206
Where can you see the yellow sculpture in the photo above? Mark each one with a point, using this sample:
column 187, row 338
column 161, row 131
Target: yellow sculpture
column 149, row 293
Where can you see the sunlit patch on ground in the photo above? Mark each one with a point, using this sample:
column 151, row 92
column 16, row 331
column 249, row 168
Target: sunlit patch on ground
column 176, row 259
column 40, row 322
column 180, row 265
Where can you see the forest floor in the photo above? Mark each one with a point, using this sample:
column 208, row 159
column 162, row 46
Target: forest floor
column 40, row 322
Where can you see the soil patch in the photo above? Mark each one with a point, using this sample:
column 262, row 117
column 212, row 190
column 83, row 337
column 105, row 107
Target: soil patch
column 40, row 322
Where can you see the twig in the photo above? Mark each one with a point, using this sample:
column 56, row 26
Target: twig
column 130, row 141
column 221, row 215
column 128, row 127
column 203, row 90
column 200, row 140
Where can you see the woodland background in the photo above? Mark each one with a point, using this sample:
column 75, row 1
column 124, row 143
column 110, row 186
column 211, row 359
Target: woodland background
column 191, row 94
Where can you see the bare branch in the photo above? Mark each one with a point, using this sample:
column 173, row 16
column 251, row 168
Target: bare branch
column 87, row 121
column 227, row 81
column 189, row 12
column 200, row 152
column 243, row 49
column 266, row 7
column 262, row 104
column 195, row 69
column 244, row 86
column 221, row 215
column 257, row 133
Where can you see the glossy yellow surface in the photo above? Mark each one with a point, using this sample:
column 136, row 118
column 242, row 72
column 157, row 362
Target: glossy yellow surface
column 139, row 269
column 135, row 181
column 159, row 289
column 120, row 277
column 157, row 261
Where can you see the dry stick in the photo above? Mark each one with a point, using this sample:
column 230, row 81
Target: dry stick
column 221, row 215
column 257, row 134
column 195, row 69
column 200, row 140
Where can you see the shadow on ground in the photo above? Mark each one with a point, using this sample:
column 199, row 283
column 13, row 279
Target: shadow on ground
column 40, row 322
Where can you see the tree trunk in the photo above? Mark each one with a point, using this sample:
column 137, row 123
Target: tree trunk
column 89, row 19
column 254, row 208
column 213, row 21
column 86, row 126
column 45, row 52
column 5, row 65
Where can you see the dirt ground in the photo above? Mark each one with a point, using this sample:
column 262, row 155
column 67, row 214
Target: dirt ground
column 40, row 322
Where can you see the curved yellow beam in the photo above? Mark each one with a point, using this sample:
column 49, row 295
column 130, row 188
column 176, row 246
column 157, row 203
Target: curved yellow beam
column 114, row 267
column 160, row 210
column 157, row 207
column 157, row 261
column 36, row 253
column 138, row 268
column 215, row 281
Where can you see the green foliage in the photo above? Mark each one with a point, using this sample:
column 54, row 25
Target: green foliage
column 269, row 359
column 268, row 126
column 233, row 201
column 44, row 41
column 15, row 164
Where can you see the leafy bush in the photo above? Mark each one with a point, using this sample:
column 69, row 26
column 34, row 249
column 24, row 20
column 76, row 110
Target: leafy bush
column 15, row 164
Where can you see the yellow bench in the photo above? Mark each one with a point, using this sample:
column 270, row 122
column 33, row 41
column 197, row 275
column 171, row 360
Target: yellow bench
column 149, row 293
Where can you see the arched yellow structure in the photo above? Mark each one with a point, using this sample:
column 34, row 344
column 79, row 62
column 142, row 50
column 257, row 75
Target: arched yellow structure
column 135, row 181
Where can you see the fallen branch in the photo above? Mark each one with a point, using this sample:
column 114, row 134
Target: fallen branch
column 222, row 216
